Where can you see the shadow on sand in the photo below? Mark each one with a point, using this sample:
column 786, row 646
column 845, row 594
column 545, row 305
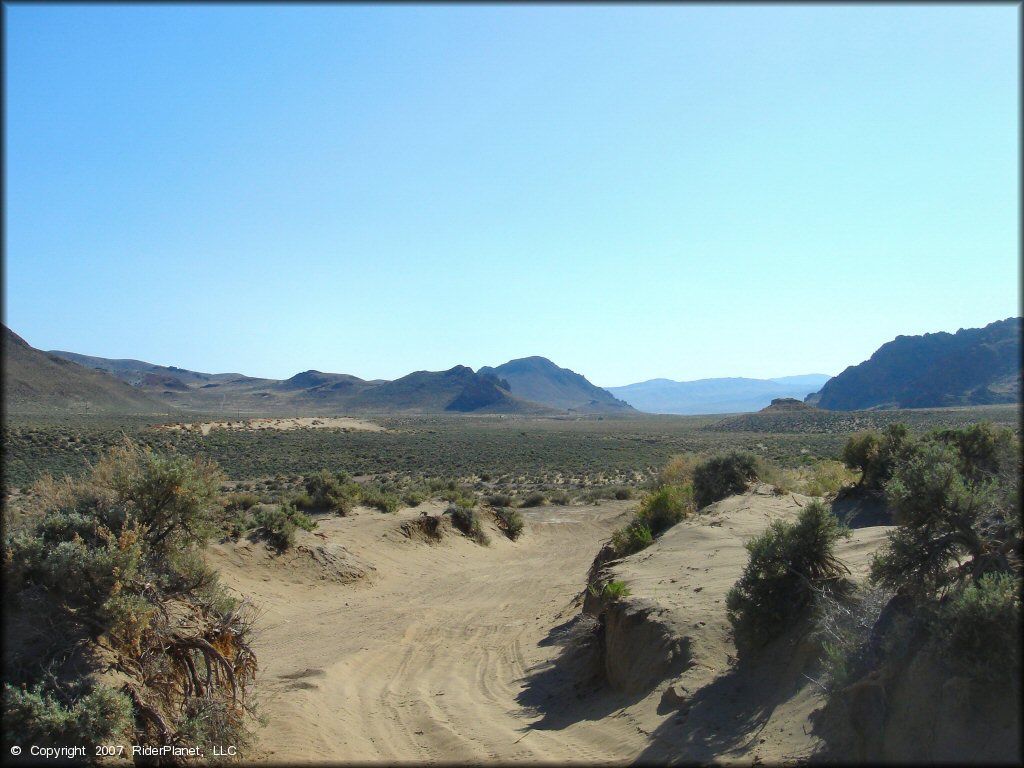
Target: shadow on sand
column 726, row 718
column 571, row 687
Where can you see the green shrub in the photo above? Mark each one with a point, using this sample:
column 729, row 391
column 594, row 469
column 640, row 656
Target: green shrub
column 844, row 623
column 240, row 501
column 116, row 555
column 279, row 523
column 324, row 491
column 666, row 507
column 679, row 470
column 876, row 455
column 954, row 555
column 511, row 521
column 787, row 563
column 827, row 478
column 33, row 716
column 414, row 498
column 979, row 628
column 658, row 512
column 382, row 500
column 465, row 501
column 560, row 498
column 622, row 493
column 459, row 495
column 593, row 495
column 468, row 521
column 783, row 480
column 237, row 522
column 535, row 499
column 439, row 484
column 616, row 590
column 838, row 664
column 213, row 721
column 500, row 500
column 949, row 528
column 305, row 501
column 613, row 590
column 635, row 536
column 722, row 476
column 986, row 453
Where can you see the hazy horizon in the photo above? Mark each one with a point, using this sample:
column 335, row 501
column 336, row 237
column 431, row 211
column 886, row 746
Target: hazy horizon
column 675, row 192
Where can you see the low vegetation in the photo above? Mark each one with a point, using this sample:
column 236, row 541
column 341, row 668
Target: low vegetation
column 510, row 522
column 822, row 478
column 722, row 476
column 843, row 623
column 575, row 454
column 329, row 492
column 689, row 482
column 534, row 499
column 679, row 470
column 278, row 524
column 789, row 563
column 672, row 500
column 876, row 455
column 980, row 635
column 658, row 511
column 956, row 550
column 109, row 576
column 467, row 520
column 612, row 590
column 953, row 558
column 90, row 715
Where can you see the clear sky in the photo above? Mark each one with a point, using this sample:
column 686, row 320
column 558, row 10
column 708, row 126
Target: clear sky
column 634, row 192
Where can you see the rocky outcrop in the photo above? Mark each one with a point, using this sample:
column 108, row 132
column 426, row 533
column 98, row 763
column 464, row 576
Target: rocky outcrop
column 974, row 366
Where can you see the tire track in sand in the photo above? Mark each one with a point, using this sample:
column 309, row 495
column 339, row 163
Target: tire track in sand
column 426, row 663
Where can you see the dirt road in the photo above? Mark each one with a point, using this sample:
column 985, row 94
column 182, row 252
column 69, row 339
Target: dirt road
column 442, row 654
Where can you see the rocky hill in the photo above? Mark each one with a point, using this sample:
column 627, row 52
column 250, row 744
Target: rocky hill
column 457, row 390
column 540, row 380
column 974, row 366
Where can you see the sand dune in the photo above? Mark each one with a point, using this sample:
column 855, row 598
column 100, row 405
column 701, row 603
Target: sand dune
column 454, row 652
column 281, row 424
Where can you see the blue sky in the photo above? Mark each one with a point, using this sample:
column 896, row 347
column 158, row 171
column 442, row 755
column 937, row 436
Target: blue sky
column 634, row 192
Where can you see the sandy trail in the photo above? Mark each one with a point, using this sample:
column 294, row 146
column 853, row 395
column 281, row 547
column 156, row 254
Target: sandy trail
column 428, row 662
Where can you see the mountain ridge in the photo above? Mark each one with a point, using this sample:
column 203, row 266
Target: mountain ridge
column 37, row 382
column 457, row 390
column 974, row 366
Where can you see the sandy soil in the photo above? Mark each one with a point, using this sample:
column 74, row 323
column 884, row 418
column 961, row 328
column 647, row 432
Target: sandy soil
column 722, row 710
column 304, row 422
column 444, row 651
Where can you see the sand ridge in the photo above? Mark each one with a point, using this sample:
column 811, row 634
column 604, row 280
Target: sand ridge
column 720, row 710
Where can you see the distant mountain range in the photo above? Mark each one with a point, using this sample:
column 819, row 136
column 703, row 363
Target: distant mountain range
column 36, row 381
column 974, row 366
column 708, row 396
